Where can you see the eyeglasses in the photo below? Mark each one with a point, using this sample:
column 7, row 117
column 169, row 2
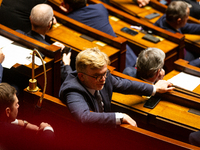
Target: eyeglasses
column 99, row 77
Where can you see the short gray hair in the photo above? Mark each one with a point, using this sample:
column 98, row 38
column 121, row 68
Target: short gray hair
column 175, row 10
column 149, row 61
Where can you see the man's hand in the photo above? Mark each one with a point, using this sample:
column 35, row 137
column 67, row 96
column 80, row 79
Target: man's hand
column 129, row 120
column 62, row 46
column 43, row 125
column 2, row 56
column 142, row 3
column 66, row 58
column 163, row 86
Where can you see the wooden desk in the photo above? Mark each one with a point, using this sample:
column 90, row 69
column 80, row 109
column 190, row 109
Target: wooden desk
column 73, row 39
column 132, row 8
column 105, row 42
column 52, row 54
column 191, row 41
column 119, row 19
column 124, row 136
column 170, row 117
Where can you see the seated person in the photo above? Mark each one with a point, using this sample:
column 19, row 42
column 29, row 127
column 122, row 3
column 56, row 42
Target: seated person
column 87, row 91
column 148, row 66
column 15, row 14
column 22, row 134
column 194, row 8
column 95, row 16
column 175, row 20
column 42, row 19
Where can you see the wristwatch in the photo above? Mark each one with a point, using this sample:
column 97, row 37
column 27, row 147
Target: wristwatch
column 25, row 123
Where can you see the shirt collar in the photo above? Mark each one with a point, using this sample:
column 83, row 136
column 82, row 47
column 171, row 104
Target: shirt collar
column 92, row 91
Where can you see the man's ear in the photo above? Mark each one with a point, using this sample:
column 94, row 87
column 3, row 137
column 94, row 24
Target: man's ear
column 80, row 76
column 179, row 20
column 8, row 111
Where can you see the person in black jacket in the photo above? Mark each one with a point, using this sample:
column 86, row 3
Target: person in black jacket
column 15, row 14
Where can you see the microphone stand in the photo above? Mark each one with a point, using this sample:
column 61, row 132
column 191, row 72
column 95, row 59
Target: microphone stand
column 33, row 82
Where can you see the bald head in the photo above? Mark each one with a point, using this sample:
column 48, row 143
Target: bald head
column 41, row 15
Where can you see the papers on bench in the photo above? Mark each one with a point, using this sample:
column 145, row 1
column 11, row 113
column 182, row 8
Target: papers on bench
column 185, row 81
column 16, row 54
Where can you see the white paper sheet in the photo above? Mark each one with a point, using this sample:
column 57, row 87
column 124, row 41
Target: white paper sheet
column 17, row 54
column 185, row 81
column 4, row 41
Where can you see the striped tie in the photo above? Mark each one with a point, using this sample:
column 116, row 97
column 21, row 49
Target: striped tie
column 99, row 101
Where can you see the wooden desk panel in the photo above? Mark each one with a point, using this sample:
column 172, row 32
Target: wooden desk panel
column 74, row 40
column 169, row 48
column 122, row 19
column 53, row 109
column 170, row 117
column 191, row 41
column 50, row 51
column 116, row 42
column 132, row 8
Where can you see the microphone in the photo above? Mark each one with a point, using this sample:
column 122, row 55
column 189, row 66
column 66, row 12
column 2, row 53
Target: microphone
column 33, row 82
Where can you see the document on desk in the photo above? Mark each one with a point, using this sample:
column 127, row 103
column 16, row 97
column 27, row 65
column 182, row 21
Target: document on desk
column 4, row 41
column 15, row 54
column 185, row 81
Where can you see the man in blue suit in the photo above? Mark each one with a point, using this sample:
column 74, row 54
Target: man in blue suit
column 95, row 16
column 92, row 76
column 175, row 20
column 149, row 65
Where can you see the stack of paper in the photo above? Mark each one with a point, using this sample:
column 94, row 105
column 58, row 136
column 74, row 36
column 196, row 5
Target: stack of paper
column 185, row 81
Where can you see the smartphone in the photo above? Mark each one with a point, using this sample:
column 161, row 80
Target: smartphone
column 152, row 15
column 66, row 50
column 152, row 102
column 129, row 31
column 151, row 38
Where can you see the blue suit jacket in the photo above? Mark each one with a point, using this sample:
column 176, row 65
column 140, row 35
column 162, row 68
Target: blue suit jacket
column 189, row 28
column 96, row 16
column 1, row 72
column 81, row 102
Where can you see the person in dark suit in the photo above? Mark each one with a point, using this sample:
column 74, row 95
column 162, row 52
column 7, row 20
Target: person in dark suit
column 96, row 16
column 16, row 133
column 149, row 65
column 80, row 90
column 42, row 19
column 175, row 20
column 15, row 14
column 194, row 8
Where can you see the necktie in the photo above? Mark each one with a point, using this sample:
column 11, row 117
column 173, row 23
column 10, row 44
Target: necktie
column 99, row 101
